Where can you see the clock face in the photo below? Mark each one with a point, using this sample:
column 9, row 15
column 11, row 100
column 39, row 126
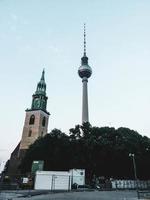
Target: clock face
column 37, row 103
column 43, row 104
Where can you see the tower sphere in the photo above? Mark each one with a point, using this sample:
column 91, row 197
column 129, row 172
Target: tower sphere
column 85, row 71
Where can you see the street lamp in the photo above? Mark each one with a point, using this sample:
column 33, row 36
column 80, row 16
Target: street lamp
column 135, row 173
column 134, row 165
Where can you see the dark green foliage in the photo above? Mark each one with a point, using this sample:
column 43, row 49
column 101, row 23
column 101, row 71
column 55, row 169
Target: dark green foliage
column 101, row 151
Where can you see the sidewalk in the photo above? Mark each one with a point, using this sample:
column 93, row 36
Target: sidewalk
column 93, row 195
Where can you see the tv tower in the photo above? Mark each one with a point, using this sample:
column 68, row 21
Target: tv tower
column 85, row 72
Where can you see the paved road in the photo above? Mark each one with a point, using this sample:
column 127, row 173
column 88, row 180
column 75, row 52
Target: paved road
column 94, row 195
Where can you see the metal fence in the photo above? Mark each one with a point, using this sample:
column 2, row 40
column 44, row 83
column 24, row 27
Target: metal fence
column 130, row 184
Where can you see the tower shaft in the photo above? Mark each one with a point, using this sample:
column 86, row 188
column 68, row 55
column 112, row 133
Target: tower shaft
column 85, row 113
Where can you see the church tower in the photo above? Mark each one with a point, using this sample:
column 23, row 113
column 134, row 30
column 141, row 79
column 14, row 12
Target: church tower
column 36, row 120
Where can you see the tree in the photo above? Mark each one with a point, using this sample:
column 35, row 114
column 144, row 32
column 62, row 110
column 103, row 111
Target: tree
column 103, row 151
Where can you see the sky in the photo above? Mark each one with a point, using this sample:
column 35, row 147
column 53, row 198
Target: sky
column 37, row 34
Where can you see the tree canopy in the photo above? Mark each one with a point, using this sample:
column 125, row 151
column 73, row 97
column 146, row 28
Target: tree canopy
column 101, row 151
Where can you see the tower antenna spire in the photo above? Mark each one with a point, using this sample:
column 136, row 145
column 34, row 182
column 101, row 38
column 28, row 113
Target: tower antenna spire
column 84, row 39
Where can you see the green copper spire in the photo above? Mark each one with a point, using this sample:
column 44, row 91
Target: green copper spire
column 43, row 75
column 41, row 86
column 39, row 98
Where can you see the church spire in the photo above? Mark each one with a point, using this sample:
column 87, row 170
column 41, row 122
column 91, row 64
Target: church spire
column 39, row 98
column 41, row 86
column 43, row 75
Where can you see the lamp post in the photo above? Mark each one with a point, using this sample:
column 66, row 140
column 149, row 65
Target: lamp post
column 134, row 165
column 135, row 172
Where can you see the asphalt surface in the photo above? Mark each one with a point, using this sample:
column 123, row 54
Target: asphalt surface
column 84, row 195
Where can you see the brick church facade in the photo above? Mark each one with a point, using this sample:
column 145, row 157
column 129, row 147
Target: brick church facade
column 35, row 126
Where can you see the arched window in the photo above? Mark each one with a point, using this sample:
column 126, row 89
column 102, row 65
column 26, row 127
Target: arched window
column 32, row 119
column 43, row 121
column 30, row 133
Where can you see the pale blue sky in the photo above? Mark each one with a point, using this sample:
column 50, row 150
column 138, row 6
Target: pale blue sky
column 37, row 34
